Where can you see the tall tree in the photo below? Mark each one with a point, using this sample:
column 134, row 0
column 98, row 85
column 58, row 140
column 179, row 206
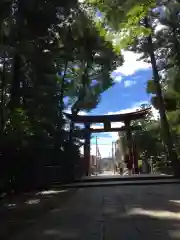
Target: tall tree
column 137, row 25
column 45, row 47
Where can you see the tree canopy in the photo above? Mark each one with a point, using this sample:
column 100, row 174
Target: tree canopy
column 57, row 55
column 52, row 58
column 152, row 29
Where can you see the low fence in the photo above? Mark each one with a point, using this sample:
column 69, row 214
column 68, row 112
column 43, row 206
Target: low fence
column 39, row 178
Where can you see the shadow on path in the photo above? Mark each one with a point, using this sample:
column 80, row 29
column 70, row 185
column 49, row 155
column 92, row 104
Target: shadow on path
column 131, row 212
column 20, row 212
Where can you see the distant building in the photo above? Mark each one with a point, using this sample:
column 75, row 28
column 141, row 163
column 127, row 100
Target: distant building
column 106, row 163
column 93, row 161
column 120, row 150
column 93, row 164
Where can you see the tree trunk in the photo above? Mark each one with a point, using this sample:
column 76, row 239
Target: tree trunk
column 162, row 111
column 59, row 133
column 15, row 88
column 176, row 46
column 62, row 86
column 2, row 97
column 72, row 124
column 75, row 109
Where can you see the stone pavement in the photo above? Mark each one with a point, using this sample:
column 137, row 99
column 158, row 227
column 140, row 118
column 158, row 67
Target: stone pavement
column 112, row 213
column 19, row 212
column 110, row 175
column 121, row 183
column 118, row 177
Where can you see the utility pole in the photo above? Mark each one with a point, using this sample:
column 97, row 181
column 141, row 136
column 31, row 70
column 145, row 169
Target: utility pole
column 96, row 155
column 113, row 156
column 99, row 154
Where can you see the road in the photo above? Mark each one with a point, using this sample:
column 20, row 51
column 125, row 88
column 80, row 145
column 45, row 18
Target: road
column 112, row 213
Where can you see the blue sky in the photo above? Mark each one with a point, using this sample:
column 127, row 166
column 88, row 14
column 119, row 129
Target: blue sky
column 126, row 95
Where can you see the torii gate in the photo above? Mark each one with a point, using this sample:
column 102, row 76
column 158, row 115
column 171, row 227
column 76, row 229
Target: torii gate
column 126, row 118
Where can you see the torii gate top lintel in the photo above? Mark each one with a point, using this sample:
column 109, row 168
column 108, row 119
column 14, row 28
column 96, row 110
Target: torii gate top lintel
column 125, row 117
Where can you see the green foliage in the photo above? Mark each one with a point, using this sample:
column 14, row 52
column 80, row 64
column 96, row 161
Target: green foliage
column 135, row 26
column 153, row 148
column 50, row 51
column 151, row 88
column 124, row 17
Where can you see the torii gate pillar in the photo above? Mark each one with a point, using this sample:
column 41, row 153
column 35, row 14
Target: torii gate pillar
column 129, row 136
column 87, row 148
column 131, row 146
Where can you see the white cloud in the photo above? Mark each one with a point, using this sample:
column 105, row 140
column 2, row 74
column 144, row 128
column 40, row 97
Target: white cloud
column 155, row 113
column 160, row 27
column 82, row 113
column 118, row 78
column 68, row 110
column 99, row 125
column 135, row 107
column 129, row 83
column 130, row 66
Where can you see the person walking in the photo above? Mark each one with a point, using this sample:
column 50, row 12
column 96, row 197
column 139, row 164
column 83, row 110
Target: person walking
column 120, row 168
column 135, row 158
column 129, row 162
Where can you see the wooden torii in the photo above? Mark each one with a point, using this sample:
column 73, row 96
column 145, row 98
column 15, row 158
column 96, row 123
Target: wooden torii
column 126, row 118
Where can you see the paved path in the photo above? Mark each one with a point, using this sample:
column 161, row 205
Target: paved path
column 18, row 212
column 112, row 213
column 118, row 177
